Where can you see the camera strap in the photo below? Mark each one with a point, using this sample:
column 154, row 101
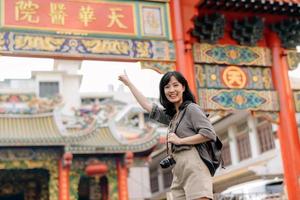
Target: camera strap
column 181, row 114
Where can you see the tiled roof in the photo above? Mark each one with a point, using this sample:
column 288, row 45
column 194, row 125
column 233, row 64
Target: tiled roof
column 36, row 130
column 286, row 1
column 103, row 141
column 282, row 7
column 46, row 130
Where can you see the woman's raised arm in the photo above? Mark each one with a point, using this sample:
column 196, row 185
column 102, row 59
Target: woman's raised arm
column 141, row 99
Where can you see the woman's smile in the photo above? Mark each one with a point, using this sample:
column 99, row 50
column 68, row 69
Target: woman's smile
column 174, row 90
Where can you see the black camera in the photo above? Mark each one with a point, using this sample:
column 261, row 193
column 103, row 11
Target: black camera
column 167, row 162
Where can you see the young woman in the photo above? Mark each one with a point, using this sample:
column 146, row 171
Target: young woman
column 191, row 177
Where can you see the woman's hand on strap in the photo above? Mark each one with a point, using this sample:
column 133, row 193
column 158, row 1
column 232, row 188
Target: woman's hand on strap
column 191, row 140
column 174, row 139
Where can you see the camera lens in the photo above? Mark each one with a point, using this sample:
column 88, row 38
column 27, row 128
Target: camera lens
column 167, row 162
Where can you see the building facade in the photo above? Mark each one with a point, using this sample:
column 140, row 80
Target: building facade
column 82, row 149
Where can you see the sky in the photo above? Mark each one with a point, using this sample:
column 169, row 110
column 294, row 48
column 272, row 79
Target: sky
column 97, row 75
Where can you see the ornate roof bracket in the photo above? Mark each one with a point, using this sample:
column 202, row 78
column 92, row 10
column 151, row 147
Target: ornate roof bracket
column 281, row 7
column 288, row 31
column 209, row 28
column 248, row 31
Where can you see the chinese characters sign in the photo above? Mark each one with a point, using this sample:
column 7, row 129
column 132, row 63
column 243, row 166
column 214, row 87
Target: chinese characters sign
column 87, row 17
column 71, row 16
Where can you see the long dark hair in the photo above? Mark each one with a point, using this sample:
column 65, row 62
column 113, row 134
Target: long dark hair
column 186, row 96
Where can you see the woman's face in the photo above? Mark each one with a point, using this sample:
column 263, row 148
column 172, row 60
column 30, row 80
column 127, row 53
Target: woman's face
column 174, row 90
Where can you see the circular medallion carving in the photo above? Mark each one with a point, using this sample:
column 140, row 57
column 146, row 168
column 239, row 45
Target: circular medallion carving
column 234, row 77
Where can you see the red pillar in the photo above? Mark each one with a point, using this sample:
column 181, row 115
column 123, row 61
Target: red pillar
column 122, row 181
column 288, row 133
column 184, row 55
column 63, row 181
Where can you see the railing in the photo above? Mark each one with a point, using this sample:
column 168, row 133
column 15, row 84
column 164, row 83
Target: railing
column 250, row 196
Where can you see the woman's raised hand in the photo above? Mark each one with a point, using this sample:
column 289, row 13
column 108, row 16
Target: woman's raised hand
column 124, row 78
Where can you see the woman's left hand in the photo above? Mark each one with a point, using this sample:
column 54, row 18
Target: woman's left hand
column 174, row 139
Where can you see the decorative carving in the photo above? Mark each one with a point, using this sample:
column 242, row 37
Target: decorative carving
column 115, row 47
column 232, row 55
column 15, row 98
column 31, row 104
column 234, row 77
column 297, row 100
column 238, row 100
column 160, row 67
column 39, row 43
column 272, row 117
column 248, row 31
column 87, row 114
column 218, row 76
column 3, row 41
column 288, row 31
column 293, row 59
column 20, row 154
column 209, row 28
column 87, row 47
column 142, row 49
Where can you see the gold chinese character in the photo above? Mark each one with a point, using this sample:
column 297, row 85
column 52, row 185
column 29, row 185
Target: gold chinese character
column 57, row 13
column 26, row 10
column 234, row 77
column 115, row 18
column 86, row 15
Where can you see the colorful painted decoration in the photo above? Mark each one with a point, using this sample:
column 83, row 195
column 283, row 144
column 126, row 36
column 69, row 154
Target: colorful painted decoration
column 219, row 76
column 16, row 98
column 160, row 67
column 211, row 99
column 293, row 59
column 82, row 18
column 74, row 47
column 272, row 117
column 297, row 100
column 28, row 104
column 232, row 55
column 4, row 41
column 234, row 77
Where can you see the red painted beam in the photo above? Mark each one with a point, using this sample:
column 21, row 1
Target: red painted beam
column 288, row 133
column 122, row 181
column 64, row 181
column 181, row 17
